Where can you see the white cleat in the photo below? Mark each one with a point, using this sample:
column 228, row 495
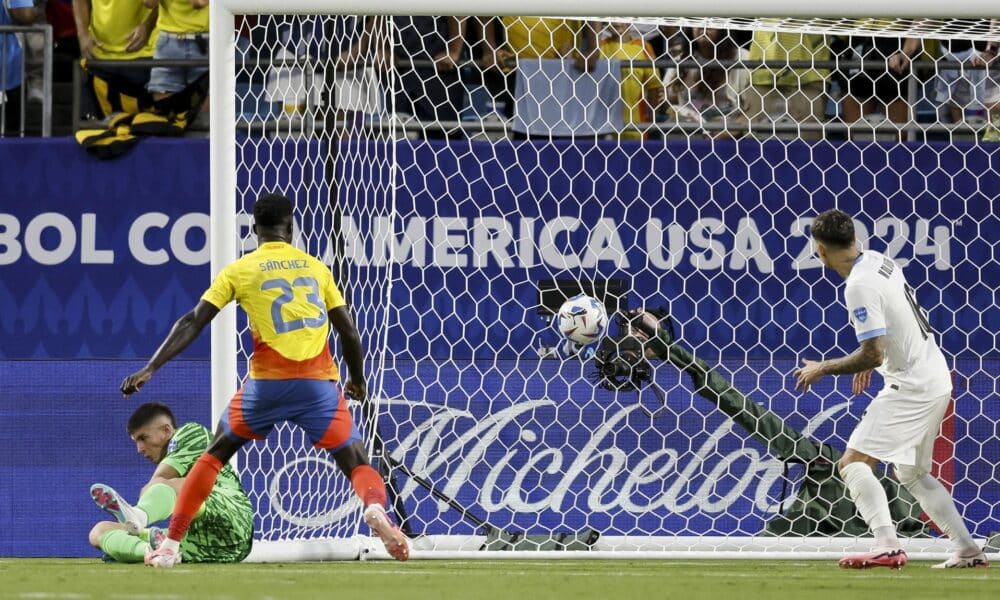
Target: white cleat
column 978, row 561
column 112, row 503
column 389, row 532
column 162, row 558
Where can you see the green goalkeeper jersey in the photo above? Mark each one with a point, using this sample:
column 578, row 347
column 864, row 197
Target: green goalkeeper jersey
column 223, row 529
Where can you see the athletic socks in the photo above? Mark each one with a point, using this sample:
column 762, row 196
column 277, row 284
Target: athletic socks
column 368, row 485
column 940, row 507
column 871, row 502
column 197, row 486
column 122, row 547
column 157, row 502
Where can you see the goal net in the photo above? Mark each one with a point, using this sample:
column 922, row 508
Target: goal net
column 463, row 176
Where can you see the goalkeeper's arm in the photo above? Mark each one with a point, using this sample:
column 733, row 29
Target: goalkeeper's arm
column 762, row 424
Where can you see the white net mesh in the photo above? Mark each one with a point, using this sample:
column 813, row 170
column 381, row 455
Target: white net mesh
column 449, row 168
column 933, row 29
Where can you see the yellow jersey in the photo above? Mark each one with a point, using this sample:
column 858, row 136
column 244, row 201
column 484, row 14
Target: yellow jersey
column 635, row 80
column 778, row 47
column 538, row 37
column 178, row 16
column 110, row 23
column 286, row 294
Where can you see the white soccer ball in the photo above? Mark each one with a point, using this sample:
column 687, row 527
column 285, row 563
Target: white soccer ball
column 582, row 319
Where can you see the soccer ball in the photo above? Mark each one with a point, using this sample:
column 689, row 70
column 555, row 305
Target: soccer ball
column 582, row 319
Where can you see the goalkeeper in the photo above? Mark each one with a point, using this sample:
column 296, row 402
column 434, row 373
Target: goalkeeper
column 221, row 532
column 821, row 506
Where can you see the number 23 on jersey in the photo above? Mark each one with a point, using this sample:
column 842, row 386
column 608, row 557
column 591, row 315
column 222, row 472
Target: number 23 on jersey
column 288, row 299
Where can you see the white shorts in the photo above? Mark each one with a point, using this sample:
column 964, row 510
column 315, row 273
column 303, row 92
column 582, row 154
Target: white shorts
column 961, row 87
column 900, row 427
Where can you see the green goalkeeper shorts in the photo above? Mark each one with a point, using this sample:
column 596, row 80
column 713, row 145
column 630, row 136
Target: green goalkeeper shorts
column 223, row 532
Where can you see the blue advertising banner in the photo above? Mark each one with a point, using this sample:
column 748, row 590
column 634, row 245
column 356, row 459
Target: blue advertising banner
column 97, row 260
column 716, row 233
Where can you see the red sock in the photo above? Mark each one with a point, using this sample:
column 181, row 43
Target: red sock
column 368, row 485
column 197, row 486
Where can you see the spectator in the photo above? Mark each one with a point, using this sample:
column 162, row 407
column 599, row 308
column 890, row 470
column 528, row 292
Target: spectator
column 12, row 12
column 676, row 79
column 537, row 37
column 65, row 44
column 778, row 91
column 712, row 90
column 515, row 38
column 991, row 94
column 114, row 30
column 349, row 86
column 641, row 86
column 183, row 26
column 426, row 52
column 290, row 86
column 711, row 81
column 352, row 86
column 432, row 91
column 880, row 85
column 960, row 89
column 34, row 57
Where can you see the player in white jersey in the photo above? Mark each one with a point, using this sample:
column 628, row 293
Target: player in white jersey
column 902, row 422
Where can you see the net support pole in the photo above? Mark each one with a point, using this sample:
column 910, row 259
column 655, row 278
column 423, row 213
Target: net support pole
column 222, row 232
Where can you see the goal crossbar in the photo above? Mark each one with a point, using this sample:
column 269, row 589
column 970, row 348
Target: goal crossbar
column 704, row 240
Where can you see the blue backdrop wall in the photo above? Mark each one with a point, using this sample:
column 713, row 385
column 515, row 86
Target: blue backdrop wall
column 97, row 259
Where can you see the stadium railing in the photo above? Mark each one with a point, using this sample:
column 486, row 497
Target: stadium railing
column 46, row 30
column 912, row 130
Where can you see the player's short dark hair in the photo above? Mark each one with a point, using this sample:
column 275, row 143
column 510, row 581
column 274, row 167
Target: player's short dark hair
column 146, row 413
column 833, row 228
column 272, row 210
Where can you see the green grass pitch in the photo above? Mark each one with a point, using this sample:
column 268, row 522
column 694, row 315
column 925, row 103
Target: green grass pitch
column 473, row 579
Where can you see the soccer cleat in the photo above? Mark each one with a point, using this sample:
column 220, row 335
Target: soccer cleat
column 162, row 558
column 112, row 503
column 392, row 537
column 894, row 559
column 978, row 561
column 156, row 537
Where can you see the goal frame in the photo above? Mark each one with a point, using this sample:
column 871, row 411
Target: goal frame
column 224, row 227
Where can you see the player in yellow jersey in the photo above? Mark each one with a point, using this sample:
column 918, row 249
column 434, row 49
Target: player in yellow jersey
column 291, row 301
column 642, row 89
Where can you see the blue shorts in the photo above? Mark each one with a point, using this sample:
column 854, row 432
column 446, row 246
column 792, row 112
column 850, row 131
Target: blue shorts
column 175, row 79
column 317, row 406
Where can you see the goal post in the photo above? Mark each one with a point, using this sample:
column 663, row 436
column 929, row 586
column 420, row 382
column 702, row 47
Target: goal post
column 446, row 235
column 222, row 196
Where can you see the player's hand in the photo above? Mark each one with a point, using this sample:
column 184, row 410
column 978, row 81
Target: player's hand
column 983, row 58
column 137, row 38
column 356, row 390
column 809, row 373
column 648, row 320
column 497, row 59
column 134, row 382
column 446, row 61
column 899, row 62
column 87, row 44
column 861, row 381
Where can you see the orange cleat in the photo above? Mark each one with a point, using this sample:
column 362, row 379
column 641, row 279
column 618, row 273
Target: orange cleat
column 894, row 559
column 392, row 537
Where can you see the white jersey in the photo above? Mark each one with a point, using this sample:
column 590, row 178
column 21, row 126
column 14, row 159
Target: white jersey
column 881, row 303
